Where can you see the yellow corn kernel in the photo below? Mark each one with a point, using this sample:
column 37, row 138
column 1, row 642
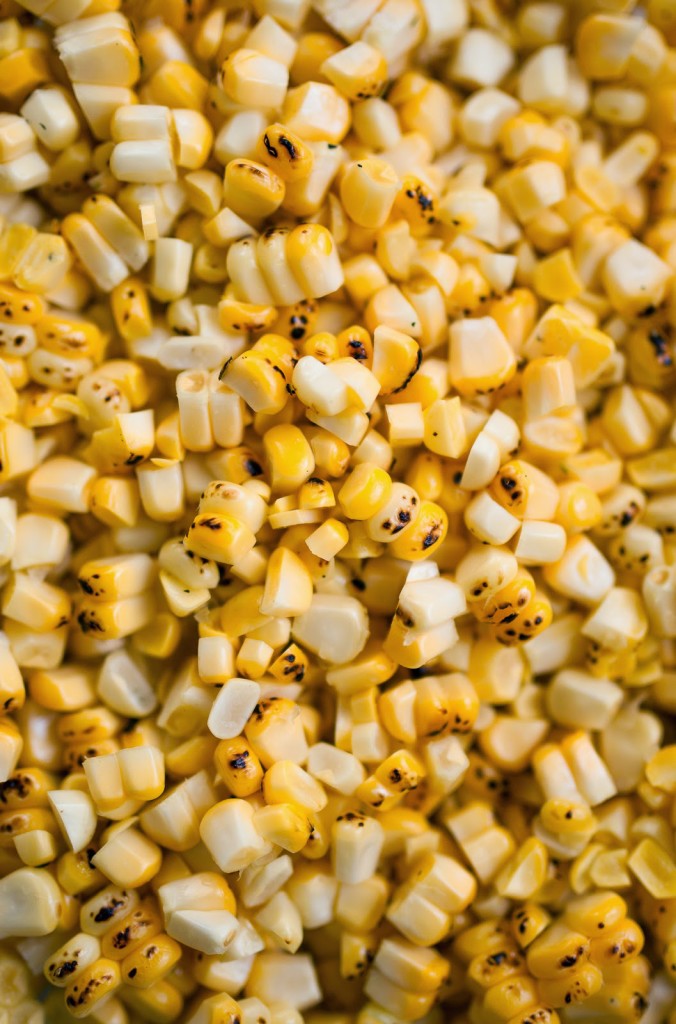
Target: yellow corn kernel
column 252, row 190
column 161, row 1002
column 289, row 457
column 150, row 961
column 445, row 704
column 504, row 604
column 177, row 84
column 91, row 986
column 255, row 379
column 533, row 620
column 654, row 868
column 130, row 931
column 618, row 944
column 285, row 152
column 558, row 949
column 18, row 822
column 20, row 73
column 573, row 987
column 238, row 766
column 219, row 537
column 425, row 536
column 131, row 309
column 529, row 921
column 283, row 824
column 486, row 937
column 489, row 969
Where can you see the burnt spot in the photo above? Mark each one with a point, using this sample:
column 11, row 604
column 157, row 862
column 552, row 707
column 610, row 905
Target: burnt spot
column 661, row 348
column 395, row 775
column 240, row 761
column 268, row 145
column 211, row 523
column 357, row 349
column 297, row 332
column 18, row 785
column 64, row 969
column 568, row 961
column 88, row 991
column 289, row 147
column 105, row 913
column 432, row 536
column 495, row 959
column 411, row 374
column 121, row 939
column 133, row 972
column 88, row 623
column 133, row 460
column 85, row 586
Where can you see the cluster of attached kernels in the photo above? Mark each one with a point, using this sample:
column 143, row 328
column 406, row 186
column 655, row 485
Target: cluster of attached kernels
column 528, row 968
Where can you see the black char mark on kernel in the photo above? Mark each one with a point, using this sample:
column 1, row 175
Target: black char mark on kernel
column 411, row 374
column 288, row 146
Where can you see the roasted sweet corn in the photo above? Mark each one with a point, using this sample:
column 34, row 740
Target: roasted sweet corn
column 336, row 536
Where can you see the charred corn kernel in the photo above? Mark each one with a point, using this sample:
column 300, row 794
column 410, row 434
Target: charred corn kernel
column 116, row 577
column 252, row 190
column 131, row 309
column 573, row 988
column 275, row 731
column 528, row 921
column 238, row 766
column 617, row 945
column 556, row 950
column 396, row 359
column 71, row 959
column 19, row 822
column 256, row 380
column 103, row 910
column 126, row 933
column 285, row 152
column 151, row 961
column 219, row 537
column 425, row 536
column 93, row 985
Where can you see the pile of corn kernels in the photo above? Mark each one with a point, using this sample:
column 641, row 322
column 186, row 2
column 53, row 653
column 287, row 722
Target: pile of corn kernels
column 337, row 511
